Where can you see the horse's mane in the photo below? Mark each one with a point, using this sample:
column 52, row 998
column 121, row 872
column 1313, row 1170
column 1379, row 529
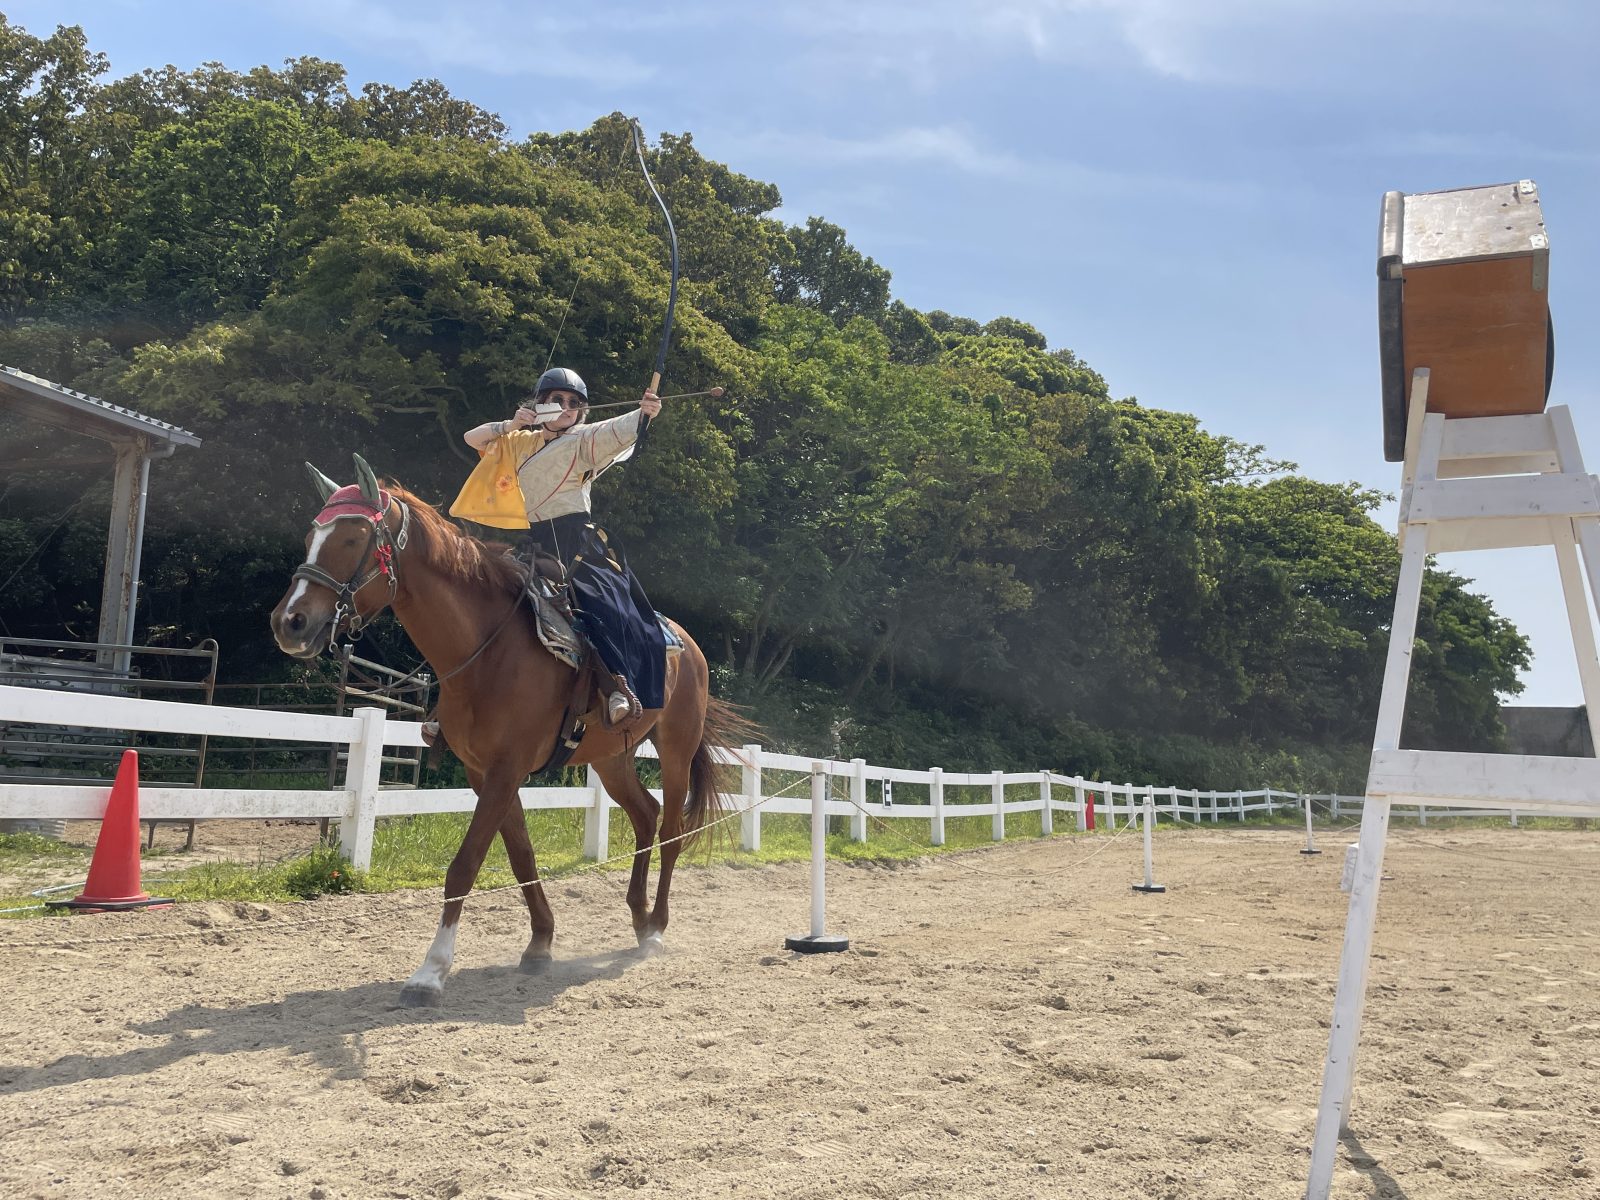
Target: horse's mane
column 444, row 547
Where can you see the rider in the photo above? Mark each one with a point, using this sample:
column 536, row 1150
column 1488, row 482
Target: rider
column 559, row 454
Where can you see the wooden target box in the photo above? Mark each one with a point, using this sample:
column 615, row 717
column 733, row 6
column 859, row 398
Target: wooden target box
column 1462, row 291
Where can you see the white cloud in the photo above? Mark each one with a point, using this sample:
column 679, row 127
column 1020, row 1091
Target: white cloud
column 942, row 145
column 487, row 37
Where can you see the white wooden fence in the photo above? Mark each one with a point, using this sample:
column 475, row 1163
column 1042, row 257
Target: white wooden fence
column 857, row 790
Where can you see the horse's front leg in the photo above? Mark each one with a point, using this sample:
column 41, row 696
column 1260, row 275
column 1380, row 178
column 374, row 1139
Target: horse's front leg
column 425, row 988
column 519, row 849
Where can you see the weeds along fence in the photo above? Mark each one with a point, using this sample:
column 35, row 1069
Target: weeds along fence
column 857, row 790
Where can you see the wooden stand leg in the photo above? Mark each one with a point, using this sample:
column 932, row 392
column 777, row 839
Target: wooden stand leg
column 1344, row 1038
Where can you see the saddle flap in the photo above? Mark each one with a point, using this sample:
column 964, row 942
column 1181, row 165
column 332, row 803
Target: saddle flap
column 552, row 625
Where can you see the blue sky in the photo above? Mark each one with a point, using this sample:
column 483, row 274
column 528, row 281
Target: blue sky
column 1184, row 192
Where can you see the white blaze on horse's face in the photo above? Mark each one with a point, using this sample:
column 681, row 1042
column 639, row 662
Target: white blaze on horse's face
column 303, row 623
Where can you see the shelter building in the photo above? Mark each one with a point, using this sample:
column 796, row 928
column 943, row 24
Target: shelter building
column 135, row 441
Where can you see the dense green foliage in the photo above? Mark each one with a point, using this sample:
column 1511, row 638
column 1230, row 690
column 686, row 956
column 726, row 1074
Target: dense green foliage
column 919, row 536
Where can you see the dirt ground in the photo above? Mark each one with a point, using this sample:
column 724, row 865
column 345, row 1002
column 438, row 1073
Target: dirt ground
column 1012, row 1022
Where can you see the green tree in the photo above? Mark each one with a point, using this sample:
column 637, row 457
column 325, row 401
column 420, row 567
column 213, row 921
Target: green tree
column 829, row 274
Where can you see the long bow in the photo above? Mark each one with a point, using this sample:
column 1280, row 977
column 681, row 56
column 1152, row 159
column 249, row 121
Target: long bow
column 672, row 295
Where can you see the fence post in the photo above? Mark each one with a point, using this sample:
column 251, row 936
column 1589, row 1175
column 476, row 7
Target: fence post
column 1271, row 811
column 1213, row 806
column 936, row 801
column 750, row 786
column 1047, row 821
column 363, row 768
column 1077, row 799
column 1333, row 806
column 818, row 941
column 1238, row 800
column 997, row 790
column 858, row 799
column 596, row 819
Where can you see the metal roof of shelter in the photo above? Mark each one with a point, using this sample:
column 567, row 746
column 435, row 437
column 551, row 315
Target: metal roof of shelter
column 61, row 406
column 137, row 441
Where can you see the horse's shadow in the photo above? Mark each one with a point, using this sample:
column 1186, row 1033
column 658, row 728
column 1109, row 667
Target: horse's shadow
column 328, row 1025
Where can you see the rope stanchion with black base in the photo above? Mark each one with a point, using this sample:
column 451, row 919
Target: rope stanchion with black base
column 1149, row 884
column 818, row 941
column 1311, row 842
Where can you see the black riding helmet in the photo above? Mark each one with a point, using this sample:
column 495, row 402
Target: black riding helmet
column 563, row 378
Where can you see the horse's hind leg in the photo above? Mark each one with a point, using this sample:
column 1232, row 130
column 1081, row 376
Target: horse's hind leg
column 622, row 782
column 519, row 849
column 425, row 988
column 674, row 792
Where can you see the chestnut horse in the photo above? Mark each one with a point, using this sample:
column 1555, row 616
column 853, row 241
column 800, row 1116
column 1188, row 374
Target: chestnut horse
column 502, row 696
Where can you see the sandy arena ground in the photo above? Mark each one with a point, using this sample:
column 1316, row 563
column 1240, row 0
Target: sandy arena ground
column 1012, row 1022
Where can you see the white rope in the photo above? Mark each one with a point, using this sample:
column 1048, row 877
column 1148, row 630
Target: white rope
column 874, row 817
column 383, row 905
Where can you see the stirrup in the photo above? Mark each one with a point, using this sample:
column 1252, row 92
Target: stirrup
column 619, row 707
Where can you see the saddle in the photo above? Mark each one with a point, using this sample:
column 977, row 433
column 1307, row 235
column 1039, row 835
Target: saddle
column 549, row 597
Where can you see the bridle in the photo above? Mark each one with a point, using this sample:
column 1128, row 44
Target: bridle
column 382, row 549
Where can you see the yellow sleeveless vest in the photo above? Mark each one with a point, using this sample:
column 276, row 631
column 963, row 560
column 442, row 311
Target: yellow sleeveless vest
column 491, row 495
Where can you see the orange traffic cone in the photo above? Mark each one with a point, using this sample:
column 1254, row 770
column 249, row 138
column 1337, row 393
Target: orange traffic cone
column 113, row 882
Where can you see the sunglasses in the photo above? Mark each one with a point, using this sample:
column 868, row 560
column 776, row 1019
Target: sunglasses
column 567, row 400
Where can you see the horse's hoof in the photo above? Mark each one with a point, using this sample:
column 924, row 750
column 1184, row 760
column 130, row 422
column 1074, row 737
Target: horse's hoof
column 412, row 996
column 651, row 944
column 535, row 964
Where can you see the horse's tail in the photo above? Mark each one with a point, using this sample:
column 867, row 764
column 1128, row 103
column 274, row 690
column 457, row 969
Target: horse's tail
column 726, row 729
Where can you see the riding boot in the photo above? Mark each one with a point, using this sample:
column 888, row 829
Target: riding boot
column 622, row 705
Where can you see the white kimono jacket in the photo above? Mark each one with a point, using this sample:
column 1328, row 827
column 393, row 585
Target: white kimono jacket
column 555, row 477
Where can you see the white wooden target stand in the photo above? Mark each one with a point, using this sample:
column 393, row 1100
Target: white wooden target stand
column 1469, row 483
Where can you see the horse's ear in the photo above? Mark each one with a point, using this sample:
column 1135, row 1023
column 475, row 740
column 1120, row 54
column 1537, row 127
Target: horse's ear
column 325, row 486
column 367, row 480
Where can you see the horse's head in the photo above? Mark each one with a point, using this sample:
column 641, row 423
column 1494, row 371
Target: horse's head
column 350, row 572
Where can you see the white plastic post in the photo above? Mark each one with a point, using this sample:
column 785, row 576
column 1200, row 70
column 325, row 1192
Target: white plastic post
column 596, row 819
column 1311, row 841
column 818, row 941
column 858, row 799
column 997, row 790
column 1149, row 884
column 819, row 846
column 936, row 802
column 1047, row 823
column 363, row 769
column 1077, row 800
column 1213, row 806
column 750, row 786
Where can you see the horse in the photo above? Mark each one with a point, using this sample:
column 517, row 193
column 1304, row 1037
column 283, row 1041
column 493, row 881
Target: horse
column 502, row 698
